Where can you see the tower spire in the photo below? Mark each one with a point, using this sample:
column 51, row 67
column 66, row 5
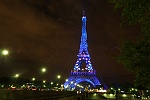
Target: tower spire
column 83, row 44
column 83, row 13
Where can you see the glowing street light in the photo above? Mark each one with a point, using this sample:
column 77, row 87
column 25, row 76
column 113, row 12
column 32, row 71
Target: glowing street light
column 43, row 70
column 5, row 52
column 58, row 76
column 16, row 75
column 33, row 79
column 44, row 81
column 111, row 88
column 52, row 83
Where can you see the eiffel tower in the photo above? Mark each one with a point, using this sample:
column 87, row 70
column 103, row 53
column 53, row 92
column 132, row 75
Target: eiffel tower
column 78, row 74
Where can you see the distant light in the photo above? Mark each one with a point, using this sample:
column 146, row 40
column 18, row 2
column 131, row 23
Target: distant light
column 5, row 52
column 17, row 75
column 58, row 76
column 71, row 82
column 111, row 95
column 94, row 94
column 136, row 90
column 51, row 83
column 124, row 95
column 33, row 79
column 2, row 86
column 122, row 91
column 102, row 91
column 43, row 69
column 44, row 81
column 66, row 86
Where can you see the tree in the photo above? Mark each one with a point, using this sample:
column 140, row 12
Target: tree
column 135, row 56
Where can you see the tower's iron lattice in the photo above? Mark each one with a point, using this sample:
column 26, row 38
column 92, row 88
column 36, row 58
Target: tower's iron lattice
column 79, row 74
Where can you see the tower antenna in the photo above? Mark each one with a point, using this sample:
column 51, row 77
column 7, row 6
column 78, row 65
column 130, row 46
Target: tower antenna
column 83, row 13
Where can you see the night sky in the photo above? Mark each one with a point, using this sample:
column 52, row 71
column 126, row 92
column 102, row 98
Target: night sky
column 46, row 33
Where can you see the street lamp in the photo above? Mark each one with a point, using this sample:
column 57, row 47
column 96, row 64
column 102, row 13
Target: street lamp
column 44, row 81
column 33, row 79
column 4, row 53
column 16, row 75
column 58, row 76
column 52, row 83
column 43, row 70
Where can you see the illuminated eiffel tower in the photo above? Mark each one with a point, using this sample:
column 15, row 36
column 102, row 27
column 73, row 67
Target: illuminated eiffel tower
column 79, row 74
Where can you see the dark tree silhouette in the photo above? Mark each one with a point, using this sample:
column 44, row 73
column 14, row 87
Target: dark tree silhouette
column 135, row 55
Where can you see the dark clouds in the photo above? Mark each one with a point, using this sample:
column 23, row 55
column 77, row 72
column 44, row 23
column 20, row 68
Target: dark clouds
column 47, row 33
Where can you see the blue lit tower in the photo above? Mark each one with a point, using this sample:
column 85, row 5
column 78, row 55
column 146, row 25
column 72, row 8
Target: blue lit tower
column 79, row 74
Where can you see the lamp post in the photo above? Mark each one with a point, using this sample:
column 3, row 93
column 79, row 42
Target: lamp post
column 16, row 76
column 58, row 77
column 44, row 81
column 33, row 79
column 43, row 70
column 4, row 53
